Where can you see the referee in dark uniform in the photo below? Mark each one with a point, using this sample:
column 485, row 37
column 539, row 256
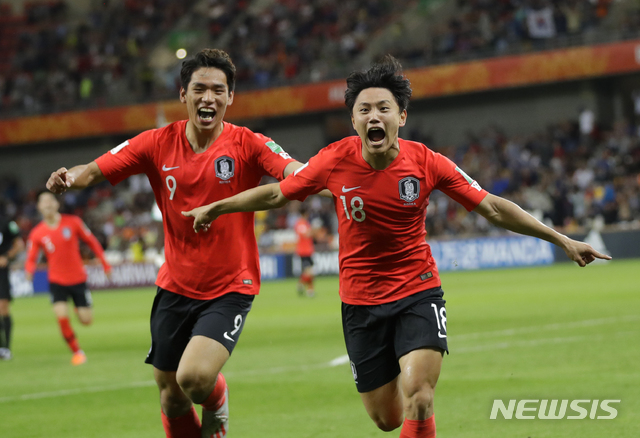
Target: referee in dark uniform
column 11, row 244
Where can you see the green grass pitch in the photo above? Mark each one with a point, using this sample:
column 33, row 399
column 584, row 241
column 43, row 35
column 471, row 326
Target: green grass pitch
column 558, row 332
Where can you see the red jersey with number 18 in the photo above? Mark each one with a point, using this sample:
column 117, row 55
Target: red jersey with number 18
column 224, row 259
column 381, row 213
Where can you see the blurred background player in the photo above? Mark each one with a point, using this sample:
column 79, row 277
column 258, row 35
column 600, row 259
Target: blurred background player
column 305, row 250
column 205, row 288
column 11, row 244
column 58, row 236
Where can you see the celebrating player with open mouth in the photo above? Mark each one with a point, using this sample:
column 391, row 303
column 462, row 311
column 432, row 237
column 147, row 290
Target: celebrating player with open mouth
column 206, row 285
column 393, row 311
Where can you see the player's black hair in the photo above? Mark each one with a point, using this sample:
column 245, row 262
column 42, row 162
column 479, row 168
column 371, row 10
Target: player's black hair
column 209, row 58
column 386, row 73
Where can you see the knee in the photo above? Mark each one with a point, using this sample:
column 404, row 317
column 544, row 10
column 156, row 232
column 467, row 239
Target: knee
column 387, row 423
column 419, row 402
column 173, row 401
column 197, row 385
column 86, row 320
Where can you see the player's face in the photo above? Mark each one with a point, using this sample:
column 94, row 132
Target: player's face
column 48, row 205
column 376, row 117
column 207, row 98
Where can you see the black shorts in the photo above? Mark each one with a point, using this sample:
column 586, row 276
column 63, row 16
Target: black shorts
column 175, row 319
column 306, row 262
column 5, row 286
column 378, row 336
column 79, row 293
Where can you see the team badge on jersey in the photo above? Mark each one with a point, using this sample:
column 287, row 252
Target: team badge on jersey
column 66, row 233
column 409, row 189
column 225, row 167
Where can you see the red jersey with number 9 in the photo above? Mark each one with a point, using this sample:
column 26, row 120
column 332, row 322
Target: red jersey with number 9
column 224, row 259
column 381, row 214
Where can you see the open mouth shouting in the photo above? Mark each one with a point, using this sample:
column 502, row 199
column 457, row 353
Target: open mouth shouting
column 206, row 115
column 376, row 136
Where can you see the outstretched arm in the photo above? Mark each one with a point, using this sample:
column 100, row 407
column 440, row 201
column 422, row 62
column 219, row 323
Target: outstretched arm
column 508, row 215
column 264, row 197
column 77, row 177
column 295, row 165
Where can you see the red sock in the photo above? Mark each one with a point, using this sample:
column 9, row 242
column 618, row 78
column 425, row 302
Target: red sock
column 68, row 334
column 419, row 428
column 187, row 426
column 217, row 397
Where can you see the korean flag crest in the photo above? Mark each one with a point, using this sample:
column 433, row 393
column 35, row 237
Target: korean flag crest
column 409, row 189
column 225, row 167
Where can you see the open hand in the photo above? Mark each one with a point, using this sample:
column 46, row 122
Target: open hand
column 59, row 181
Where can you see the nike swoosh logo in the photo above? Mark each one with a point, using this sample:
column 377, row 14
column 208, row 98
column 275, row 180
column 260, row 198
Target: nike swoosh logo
column 165, row 168
column 228, row 337
column 345, row 190
column 440, row 335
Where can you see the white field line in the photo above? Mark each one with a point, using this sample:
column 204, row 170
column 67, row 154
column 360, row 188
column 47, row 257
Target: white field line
column 547, row 327
column 341, row 360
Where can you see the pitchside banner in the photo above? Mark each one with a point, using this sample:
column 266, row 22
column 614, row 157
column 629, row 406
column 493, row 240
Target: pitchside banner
column 491, row 252
column 464, row 254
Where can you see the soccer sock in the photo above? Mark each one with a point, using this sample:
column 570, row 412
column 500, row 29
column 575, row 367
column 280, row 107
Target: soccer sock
column 8, row 323
column 419, row 428
column 217, row 397
column 187, row 426
column 68, row 334
column 3, row 335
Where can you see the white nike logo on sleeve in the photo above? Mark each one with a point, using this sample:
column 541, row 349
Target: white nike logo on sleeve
column 345, row 190
column 228, row 337
column 165, row 168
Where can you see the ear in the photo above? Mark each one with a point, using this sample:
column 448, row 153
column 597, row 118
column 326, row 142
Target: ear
column 230, row 101
column 403, row 118
column 353, row 122
column 183, row 95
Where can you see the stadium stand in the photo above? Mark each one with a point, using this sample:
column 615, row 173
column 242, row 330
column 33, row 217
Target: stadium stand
column 55, row 61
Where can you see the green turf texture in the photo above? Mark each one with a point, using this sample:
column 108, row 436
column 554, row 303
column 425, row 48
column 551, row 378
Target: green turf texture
column 558, row 332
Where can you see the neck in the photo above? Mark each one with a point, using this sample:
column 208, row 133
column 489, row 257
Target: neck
column 383, row 160
column 200, row 140
column 54, row 219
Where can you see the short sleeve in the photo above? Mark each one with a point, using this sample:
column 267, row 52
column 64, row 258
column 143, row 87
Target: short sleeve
column 129, row 158
column 456, row 184
column 309, row 179
column 269, row 154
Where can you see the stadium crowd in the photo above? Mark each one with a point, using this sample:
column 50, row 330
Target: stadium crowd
column 564, row 175
column 482, row 28
column 59, row 62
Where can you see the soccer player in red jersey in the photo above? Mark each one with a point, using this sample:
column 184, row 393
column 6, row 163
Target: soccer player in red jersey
column 304, row 250
column 206, row 285
column 393, row 312
column 58, row 236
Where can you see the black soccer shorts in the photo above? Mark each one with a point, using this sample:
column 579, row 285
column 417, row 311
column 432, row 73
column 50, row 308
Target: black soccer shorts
column 175, row 319
column 378, row 336
column 79, row 293
column 306, row 262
